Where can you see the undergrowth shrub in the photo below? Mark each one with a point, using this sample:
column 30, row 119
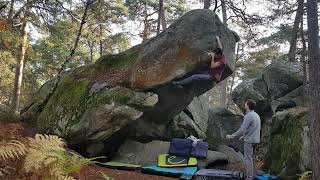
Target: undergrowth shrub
column 45, row 156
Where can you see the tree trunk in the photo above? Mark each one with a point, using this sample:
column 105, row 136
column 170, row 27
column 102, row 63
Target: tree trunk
column 19, row 67
column 91, row 45
column 224, row 12
column 314, row 84
column 100, row 41
column 145, row 34
column 295, row 31
column 20, row 60
column 10, row 14
column 163, row 19
column 206, row 4
column 215, row 5
column 304, row 61
column 223, row 84
column 234, row 74
column 159, row 15
column 72, row 52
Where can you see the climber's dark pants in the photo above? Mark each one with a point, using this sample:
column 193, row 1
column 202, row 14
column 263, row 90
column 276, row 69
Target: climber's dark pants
column 195, row 78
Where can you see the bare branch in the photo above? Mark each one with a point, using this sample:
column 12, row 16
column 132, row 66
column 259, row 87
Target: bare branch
column 215, row 5
column 68, row 11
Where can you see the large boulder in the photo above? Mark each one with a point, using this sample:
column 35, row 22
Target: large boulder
column 179, row 49
column 191, row 121
column 279, row 83
column 223, row 122
column 288, row 146
column 257, row 90
column 212, row 157
column 94, row 103
column 233, row 155
column 282, row 78
column 296, row 95
column 134, row 152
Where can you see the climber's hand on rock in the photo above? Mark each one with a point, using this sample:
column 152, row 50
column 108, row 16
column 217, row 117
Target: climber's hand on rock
column 210, row 53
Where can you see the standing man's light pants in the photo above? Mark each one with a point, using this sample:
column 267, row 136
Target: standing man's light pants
column 249, row 160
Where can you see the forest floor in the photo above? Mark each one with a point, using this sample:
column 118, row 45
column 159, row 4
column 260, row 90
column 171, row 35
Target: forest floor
column 13, row 169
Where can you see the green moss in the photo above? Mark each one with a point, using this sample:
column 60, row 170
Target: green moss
column 71, row 98
column 121, row 60
column 285, row 143
column 117, row 95
column 68, row 103
column 65, row 105
column 86, row 71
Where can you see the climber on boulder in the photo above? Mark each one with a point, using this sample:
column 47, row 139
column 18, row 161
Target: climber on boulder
column 218, row 61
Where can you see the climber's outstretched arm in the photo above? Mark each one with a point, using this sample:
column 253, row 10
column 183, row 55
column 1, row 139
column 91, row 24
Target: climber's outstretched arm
column 218, row 42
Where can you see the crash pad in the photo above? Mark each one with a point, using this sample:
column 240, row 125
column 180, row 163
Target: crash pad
column 118, row 165
column 174, row 172
column 219, row 174
column 266, row 177
column 166, row 160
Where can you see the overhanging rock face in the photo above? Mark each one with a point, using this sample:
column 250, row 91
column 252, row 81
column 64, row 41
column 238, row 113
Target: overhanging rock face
column 180, row 49
column 93, row 102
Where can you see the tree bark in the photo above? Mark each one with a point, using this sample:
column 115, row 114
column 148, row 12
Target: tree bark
column 100, row 41
column 223, row 84
column 224, row 12
column 19, row 68
column 314, row 85
column 163, row 20
column 20, row 60
column 206, row 4
column 295, row 31
column 304, row 61
column 159, row 15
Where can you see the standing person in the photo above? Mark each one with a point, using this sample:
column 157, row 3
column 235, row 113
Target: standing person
column 250, row 132
column 218, row 61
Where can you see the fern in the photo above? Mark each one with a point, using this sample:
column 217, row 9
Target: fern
column 305, row 176
column 11, row 150
column 42, row 151
column 46, row 154
column 72, row 162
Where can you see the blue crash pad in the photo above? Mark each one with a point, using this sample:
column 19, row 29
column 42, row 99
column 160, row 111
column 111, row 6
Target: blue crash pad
column 266, row 177
column 169, row 171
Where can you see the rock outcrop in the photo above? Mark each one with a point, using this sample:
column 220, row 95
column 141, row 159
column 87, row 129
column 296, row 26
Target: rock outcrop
column 145, row 154
column 279, row 82
column 130, row 94
column 223, row 122
column 190, row 121
column 288, row 148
